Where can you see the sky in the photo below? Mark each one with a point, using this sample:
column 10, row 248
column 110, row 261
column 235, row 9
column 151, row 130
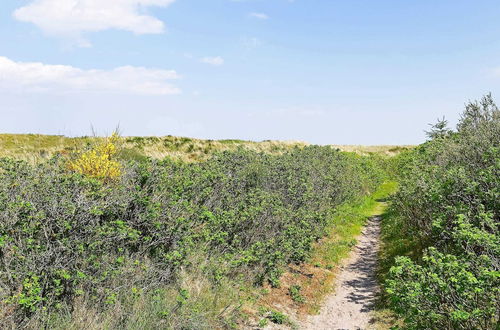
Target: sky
column 321, row 71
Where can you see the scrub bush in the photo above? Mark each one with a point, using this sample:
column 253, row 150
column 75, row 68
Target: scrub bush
column 73, row 236
column 449, row 201
column 98, row 162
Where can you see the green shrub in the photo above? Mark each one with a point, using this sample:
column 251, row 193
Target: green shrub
column 263, row 323
column 277, row 317
column 66, row 236
column 294, row 292
column 449, row 201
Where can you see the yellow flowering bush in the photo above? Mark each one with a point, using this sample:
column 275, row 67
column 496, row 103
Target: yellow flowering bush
column 98, row 162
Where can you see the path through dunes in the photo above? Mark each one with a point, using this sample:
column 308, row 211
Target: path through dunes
column 351, row 304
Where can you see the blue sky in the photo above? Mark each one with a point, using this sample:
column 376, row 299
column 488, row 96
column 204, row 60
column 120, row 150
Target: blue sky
column 322, row 71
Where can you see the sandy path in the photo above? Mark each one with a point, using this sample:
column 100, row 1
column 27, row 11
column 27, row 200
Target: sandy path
column 350, row 305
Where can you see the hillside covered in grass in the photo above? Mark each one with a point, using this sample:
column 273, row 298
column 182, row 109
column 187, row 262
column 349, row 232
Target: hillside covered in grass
column 34, row 146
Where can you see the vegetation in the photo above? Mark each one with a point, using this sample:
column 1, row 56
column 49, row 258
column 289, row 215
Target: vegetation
column 444, row 224
column 165, row 242
column 304, row 287
column 34, row 147
column 294, row 291
column 133, row 232
column 99, row 161
column 277, row 317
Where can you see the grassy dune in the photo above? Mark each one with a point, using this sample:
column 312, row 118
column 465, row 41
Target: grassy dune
column 32, row 147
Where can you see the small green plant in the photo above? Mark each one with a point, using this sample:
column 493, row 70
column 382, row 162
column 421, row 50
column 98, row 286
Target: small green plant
column 31, row 296
column 183, row 297
column 263, row 323
column 277, row 317
column 294, row 292
column 263, row 310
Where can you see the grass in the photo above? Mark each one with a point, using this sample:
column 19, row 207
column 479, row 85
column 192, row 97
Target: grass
column 192, row 302
column 33, row 147
column 346, row 225
column 389, row 150
column 316, row 277
column 395, row 241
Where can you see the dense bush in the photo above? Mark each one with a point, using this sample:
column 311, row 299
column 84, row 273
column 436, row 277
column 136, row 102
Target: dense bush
column 98, row 162
column 449, row 201
column 67, row 237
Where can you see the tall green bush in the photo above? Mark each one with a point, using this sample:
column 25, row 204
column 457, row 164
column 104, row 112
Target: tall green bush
column 449, row 200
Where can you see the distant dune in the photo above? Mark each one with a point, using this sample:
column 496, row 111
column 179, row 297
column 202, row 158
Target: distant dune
column 35, row 146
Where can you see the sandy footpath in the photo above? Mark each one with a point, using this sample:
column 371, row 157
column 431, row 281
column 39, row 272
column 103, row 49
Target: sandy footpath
column 350, row 305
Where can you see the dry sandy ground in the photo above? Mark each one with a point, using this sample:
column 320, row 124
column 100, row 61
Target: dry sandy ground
column 351, row 304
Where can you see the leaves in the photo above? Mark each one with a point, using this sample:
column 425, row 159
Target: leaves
column 449, row 200
column 247, row 213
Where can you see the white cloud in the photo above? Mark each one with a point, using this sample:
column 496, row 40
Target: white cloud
column 258, row 15
column 35, row 76
column 216, row 61
column 71, row 18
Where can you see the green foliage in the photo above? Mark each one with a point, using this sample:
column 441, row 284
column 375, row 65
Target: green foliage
column 439, row 130
column 128, row 154
column 30, row 295
column 294, row 292
column 64, row 235
column 444, row 291
column 449, row 203
column 277, row 317
column 263, row 323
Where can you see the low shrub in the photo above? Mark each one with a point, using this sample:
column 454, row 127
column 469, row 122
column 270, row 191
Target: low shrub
column 294, row 292
column 98, row 162
column 73, row 236
column 277, row 317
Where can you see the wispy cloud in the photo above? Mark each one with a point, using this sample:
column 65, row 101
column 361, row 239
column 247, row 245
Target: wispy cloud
column 259, row 16
column 215, row 61
column 292, row 112
column 40, row 77
column 70, row 18
column 250, row 43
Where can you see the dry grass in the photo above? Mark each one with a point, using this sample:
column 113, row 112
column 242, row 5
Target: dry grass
column 33, row 147
column 205, row 307
column 389, row 150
